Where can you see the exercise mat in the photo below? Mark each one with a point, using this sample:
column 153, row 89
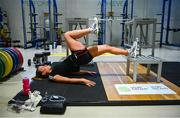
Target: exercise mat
column 82, row 95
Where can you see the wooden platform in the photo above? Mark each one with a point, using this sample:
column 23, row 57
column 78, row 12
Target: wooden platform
column 115, row 73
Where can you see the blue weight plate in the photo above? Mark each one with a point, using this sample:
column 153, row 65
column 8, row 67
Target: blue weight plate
column 17, row 62
column 14, row 57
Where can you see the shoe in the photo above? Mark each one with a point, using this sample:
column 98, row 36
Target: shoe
column 133, row 50
column 95, row 26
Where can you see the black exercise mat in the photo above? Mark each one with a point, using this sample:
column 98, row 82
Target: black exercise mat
column 81, row 95
column 75, row 94
column 170, row 71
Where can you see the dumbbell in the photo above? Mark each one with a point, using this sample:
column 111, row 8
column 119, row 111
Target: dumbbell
column 45, row 58
column 36, row 59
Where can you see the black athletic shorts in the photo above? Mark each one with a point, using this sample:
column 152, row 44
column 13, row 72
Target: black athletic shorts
column 81, row 57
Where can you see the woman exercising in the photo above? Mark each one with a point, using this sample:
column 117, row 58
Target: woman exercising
column 81, row 55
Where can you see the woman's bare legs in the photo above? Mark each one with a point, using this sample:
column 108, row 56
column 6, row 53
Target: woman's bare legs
column 73, row 44
column 101, row 49
column 76, row 34
column 71, row 36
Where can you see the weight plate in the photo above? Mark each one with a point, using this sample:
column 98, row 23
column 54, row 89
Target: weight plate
column 8, row 64
column 2, row 68
column 19, row 56
column 13, row 59
column 16, row 58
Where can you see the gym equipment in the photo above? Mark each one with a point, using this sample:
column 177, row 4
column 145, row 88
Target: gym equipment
column 144, row 60
column 45, row 58
column 33, row 24
column 40, row 59
column 4, row 33
column 166, row 24
column 15, row 59
column 8, row 43
column 8, row 64
column 11, row 61
column 2, row 67
column 56, row 24
column 4, row 30
column 37, row 59
column 52, row 17
column 17, row 56
column 53, row 104
column 143, row 39
column 102, row 34
column 109, row 19
column 20, row 57
column 29, row 62
column 127, row 13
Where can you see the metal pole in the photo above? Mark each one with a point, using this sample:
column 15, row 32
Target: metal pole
column 162, row 22
column 168, row 21
column 50, row 24
column 31, row 20
column 101, row 39
column 104, row 22
column 111, row 26
column 132, row 8
column 24, row 24
column 33, row 15
column 34, row 18
column 125, row 9
column 55, row 22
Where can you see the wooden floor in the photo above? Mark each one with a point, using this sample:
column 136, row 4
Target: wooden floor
column 115, row 73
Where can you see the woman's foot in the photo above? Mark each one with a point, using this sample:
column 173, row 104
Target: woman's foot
column 133, row 50
column 95, row 26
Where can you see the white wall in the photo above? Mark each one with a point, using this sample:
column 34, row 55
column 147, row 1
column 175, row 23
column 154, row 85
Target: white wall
column 1, row 4
column 13, row 8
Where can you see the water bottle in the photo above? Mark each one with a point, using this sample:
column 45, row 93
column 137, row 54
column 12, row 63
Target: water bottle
column 26, row 86
column 55, row 45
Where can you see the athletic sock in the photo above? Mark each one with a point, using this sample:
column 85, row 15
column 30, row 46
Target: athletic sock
column 95, row 26
column 133, row 50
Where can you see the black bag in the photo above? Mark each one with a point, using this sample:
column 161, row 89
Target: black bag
column 54, row 105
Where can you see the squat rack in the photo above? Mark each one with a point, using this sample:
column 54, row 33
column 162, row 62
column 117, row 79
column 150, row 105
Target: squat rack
column 53, row 24
column 166, row 3
column 125, row 16
column 102, row 34
column 33, row 24
column 56, row 23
